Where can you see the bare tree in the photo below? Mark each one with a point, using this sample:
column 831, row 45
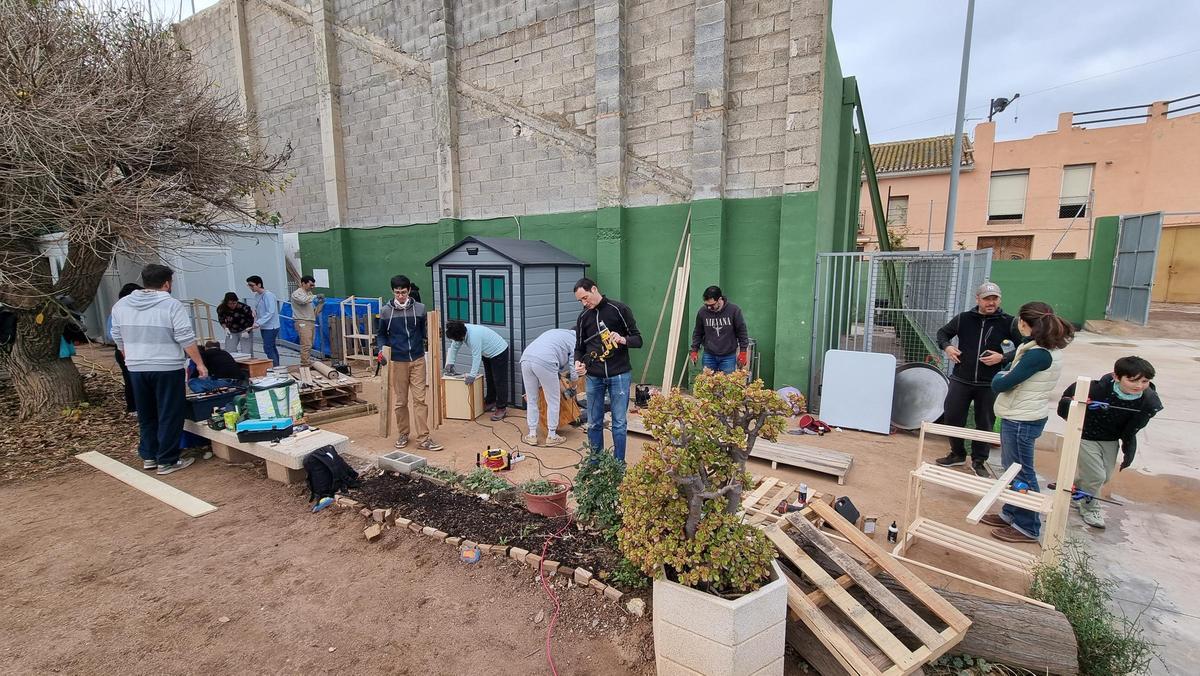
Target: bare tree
column 110, row 137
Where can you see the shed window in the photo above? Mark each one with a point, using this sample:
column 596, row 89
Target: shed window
column 491, row 300
column 458, row 298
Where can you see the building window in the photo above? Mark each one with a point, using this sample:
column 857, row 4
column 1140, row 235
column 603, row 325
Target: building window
column 458, row 298
column 1076, row 190
column 1006, row 197
column 1062, row 255
column 897, row 210
column 491, row 300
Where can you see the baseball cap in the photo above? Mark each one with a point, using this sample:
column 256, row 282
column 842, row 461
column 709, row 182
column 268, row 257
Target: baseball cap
column 988, row 289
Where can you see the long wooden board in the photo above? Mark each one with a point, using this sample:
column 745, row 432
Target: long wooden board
column 993, row 493
column 188, row 504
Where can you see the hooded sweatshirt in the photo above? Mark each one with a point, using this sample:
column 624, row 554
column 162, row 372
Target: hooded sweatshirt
column 722, row 332
column 402, row 328
column 152, row 329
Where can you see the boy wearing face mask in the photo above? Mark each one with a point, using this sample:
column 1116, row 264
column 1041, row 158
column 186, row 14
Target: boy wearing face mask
column 1123, row 402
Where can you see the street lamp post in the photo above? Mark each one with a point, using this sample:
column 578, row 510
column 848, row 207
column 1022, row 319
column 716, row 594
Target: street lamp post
column 952, row 201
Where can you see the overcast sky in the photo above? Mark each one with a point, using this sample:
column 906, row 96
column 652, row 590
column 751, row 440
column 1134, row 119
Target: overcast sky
column 906, row 56
column 1061, row 55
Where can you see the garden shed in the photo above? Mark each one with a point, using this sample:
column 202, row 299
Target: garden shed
column 519, row 288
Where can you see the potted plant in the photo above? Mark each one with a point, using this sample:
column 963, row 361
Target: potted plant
column 720, row 603
column 547, row 497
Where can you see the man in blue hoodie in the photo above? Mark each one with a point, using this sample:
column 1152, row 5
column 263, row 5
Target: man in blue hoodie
column 402, row 328
column 154, row 333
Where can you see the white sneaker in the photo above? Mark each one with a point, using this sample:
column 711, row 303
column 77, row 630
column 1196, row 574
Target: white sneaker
column 554, row 440
column 149, row 464
column 183, row 463
column 530, row 439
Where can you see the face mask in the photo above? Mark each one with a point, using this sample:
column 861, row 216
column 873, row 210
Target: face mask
column 1122, row 395
column 404, row 305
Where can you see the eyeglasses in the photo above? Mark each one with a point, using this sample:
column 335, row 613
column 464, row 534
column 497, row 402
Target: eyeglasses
column 401, row 292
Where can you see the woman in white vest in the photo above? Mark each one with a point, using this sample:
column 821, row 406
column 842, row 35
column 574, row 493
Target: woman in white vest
column 1025, row 392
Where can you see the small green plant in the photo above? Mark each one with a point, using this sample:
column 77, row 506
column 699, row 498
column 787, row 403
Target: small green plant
column 483, row 480
column 628, row 576
column 438, row 473
column 541, row 487
column 527, row 530
column 1108, row 643
column 680, row 503
column 597, row 490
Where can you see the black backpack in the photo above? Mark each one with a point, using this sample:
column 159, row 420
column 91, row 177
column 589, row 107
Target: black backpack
column 328, row 473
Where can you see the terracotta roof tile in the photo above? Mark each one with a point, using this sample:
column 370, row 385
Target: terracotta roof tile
column 920, row 154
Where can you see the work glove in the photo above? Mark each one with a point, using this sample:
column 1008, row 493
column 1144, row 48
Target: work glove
column 1127, row 453
column 469, row 379
column 743, row 358
column 448, row 370
column 693, row 357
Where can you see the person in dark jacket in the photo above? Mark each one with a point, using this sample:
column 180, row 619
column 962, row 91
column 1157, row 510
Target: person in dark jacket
column 402, row 327
column 604, row 332
column 1122, row 403
column 721, row 329
column 987, row 338
column 237, row 318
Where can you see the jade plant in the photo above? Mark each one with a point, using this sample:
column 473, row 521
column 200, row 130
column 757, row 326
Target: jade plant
column 681, row 502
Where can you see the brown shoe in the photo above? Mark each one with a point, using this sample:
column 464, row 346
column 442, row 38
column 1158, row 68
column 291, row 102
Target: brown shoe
column 1010, row 534
column 993, row 520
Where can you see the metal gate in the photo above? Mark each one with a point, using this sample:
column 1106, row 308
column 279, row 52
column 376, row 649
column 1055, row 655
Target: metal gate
column 1133, row 276
column 892, row 302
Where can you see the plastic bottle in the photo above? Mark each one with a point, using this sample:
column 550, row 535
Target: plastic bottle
column 1007, row 347
column 893, row 532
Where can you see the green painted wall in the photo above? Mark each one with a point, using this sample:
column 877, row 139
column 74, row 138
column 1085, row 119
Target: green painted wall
column 1078, row 290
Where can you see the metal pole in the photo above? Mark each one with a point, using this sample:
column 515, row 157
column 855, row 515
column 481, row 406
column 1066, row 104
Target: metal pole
column 929, row 229
column 952, row 203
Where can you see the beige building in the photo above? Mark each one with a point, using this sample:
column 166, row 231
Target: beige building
column 1036, row 197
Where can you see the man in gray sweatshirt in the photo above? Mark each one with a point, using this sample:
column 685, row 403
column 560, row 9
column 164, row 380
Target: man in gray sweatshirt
column 154, row 333
column 549, row 355
column 722, row 330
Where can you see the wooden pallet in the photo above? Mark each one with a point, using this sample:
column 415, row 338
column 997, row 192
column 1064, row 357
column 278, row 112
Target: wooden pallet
column 344, row 412
column 852, row 635
column 822, row 460
column 761, row 502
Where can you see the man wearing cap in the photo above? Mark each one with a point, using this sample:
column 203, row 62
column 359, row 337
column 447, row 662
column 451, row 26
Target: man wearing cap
column 987, row 337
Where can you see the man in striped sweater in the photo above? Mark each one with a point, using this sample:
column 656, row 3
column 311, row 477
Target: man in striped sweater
column 154, row 333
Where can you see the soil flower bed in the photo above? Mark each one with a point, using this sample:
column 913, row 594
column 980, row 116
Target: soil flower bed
column 490, row 522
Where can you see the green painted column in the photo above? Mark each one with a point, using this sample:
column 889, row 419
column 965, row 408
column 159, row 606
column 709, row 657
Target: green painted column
column 708, row 229
column 1100, row 270
column 449, row 232
column 794, row 300
column 340, row 277
column 609, row 272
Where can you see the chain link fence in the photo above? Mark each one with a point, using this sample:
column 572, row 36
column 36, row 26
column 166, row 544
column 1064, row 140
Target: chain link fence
column 892, row 302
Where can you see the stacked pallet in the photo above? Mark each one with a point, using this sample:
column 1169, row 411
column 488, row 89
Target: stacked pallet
column 328, row 395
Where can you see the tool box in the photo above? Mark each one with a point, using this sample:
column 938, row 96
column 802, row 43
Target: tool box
column 200, row 406
column 267, row 429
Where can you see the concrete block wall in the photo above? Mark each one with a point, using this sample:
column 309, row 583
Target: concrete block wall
column 391, row 166
column 522, row 136
column 284, row 82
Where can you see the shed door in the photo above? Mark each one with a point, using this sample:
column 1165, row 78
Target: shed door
column 1137, row 249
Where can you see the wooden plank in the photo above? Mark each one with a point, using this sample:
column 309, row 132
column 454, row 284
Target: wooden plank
column 916, row 586
column 843, row 650
column 961, row 433
column 977, row 583
column 844, row 581
column 977, row 485
column 865, row 621
column 919, row 628
column 1060, row 509
column 984, row 544
column 190, row 505
column 385, row 395
column 766, row 485
column 967, row 547
column 985, row 503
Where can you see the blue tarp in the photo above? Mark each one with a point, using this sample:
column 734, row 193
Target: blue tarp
column 331, row 309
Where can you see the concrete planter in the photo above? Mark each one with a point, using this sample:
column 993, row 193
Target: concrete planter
column 399, row 461
column 698, row 633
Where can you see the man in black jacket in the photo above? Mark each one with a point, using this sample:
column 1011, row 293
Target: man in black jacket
column 987, row 337
column 1120, row 404
column 604, row 332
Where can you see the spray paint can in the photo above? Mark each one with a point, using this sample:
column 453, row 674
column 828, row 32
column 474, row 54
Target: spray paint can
column 1007, row 347
column 893, row 532
column 803, row 491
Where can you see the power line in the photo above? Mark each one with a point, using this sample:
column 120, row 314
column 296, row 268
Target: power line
column 1047, row 89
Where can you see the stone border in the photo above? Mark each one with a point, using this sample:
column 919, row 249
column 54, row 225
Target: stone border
column 383, row 519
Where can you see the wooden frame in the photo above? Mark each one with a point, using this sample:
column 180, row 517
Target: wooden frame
column 353, row 348
column 1055, row 505
column 831, row 628
column 679, row 306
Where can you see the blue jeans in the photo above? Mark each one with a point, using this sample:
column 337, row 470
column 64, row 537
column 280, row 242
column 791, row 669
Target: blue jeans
column 617, row 388
column 720, row 363
column 1016, row 445
column 269, row 349
column 160, row 398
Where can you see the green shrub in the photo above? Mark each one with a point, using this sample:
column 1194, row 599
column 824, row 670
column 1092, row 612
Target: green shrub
column 438, row 473
column 680, row 503
column 483, row 480
column 627, row 576
column 1109, row 644
column 541, row 487
column 596, row 490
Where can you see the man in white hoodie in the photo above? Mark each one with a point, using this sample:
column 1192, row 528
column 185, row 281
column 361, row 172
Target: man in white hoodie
column 154, row 333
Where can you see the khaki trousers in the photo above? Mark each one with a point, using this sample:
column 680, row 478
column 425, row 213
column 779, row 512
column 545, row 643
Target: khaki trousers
column 1097, row 459
column 407, row 377
column 305, row 330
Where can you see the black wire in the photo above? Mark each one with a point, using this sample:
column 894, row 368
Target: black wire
column 543, row 466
